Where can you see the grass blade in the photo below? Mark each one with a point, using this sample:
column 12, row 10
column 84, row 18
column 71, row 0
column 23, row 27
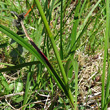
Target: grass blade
column 75, row 25
column 12, row 67
column 105, row 54
column 28, row 83
column 75, row 65
column 61, row 20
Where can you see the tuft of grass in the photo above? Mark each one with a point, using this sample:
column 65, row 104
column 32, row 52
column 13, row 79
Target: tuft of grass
column 66, row 32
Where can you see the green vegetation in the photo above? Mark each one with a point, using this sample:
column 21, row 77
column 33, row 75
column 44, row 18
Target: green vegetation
column 74, row 37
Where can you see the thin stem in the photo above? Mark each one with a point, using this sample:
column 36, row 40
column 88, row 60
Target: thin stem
column 105, row 53
column 61, row 20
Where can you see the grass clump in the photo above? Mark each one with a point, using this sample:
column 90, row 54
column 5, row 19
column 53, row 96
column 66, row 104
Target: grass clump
column 61, row 66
